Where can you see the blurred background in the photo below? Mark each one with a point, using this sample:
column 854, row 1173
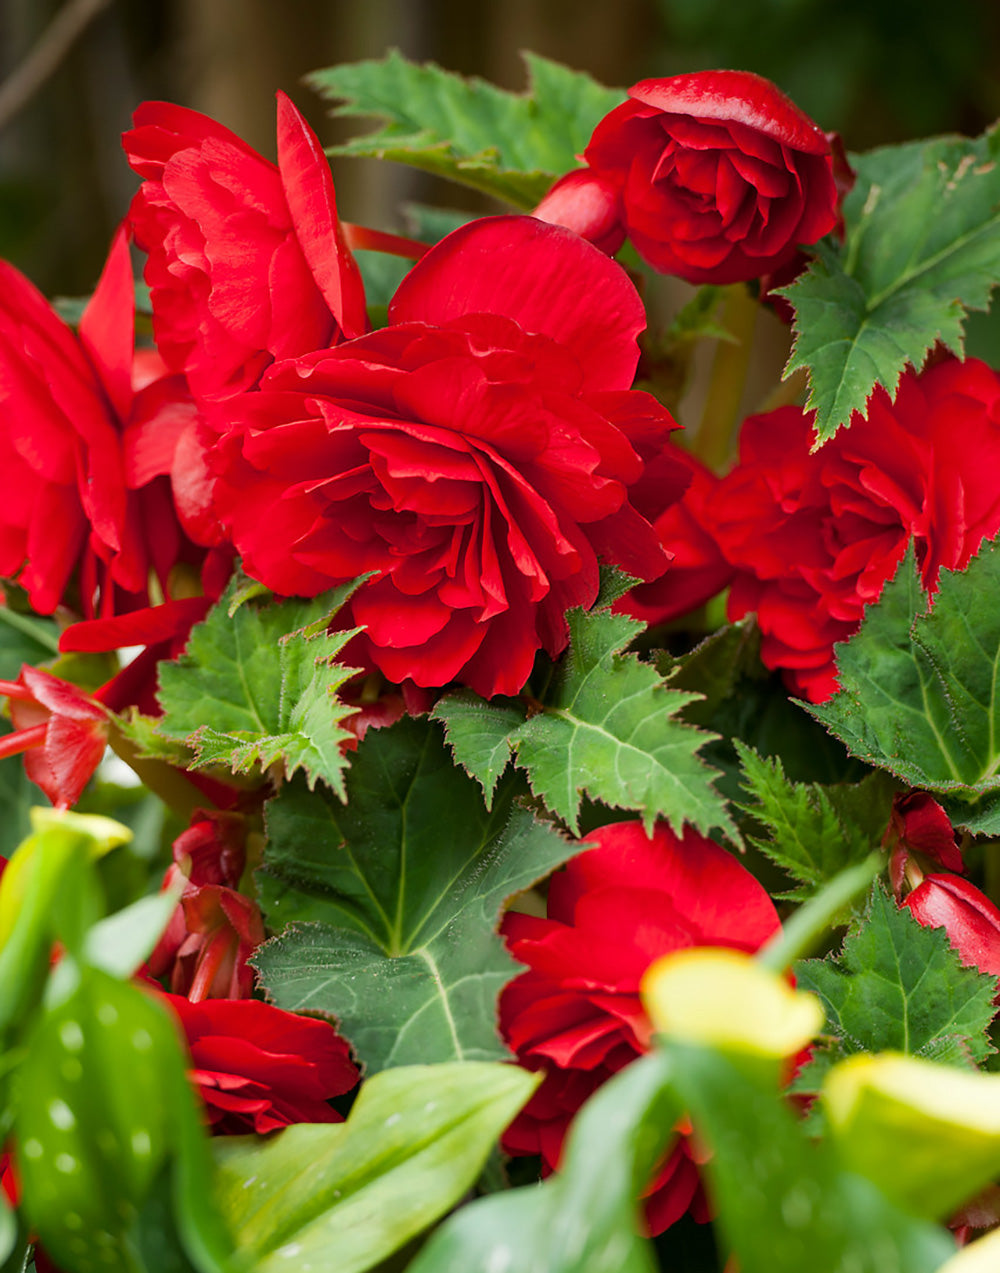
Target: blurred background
column 876, row 70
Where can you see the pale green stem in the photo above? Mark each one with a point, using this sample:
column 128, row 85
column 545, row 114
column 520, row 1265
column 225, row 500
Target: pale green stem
column 713, row 443
column 804, row 930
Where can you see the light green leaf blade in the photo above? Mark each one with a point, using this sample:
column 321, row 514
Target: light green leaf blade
column 919, row 690
column 92, row 1126
column 266, row 677
column 899, row 986
column 394, row 900
column 607, row 729
column 922, row 248
column 814, row 831
column 584, row 1219
column 509, row 145
column 349, row 1195
column 783, row 1204
column 479, row 734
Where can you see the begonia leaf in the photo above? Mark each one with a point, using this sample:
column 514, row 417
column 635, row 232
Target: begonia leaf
column 347, row 1195
column 511, row 145
column 479, row 733
column 607, row 728
column 918, row 682
column 922, row 248
column 265, row 677
column 814, row 831
column 782, row 1202
column 394, row 900
column 897, row 985
column 584, row 1218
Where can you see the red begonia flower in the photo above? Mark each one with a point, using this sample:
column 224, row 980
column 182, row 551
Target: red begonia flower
column 576, row 1013
column 720, row 176
column 87, row 452
column 258, row 1068
column 815, row 535
column 698, row 570
column 588, row 205
column 477, row 454
column 247, row 259
column 918, row 825
column 61, row 731
column 970, row 919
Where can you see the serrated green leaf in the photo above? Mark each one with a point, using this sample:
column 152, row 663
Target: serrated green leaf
column 478, row 733
column 583, row 1219
column 922, row 248
column 394, row 900
column 266, row 677
column 607, row 729
column 815, row 831
column 919, row 685
column 899, row 986
column 509, row 145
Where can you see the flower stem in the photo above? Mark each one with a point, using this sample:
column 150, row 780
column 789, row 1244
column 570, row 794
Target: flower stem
column 173, row 788
column 804, row 929
column 713, row 442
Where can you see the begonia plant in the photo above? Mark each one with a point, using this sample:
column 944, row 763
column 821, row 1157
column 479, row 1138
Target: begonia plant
column 478, row 796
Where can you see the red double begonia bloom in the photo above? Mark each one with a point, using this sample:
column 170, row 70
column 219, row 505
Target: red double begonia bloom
column 477, row 454
column 720, row 177
column 698, row 570
column 247, row 260
column 258, row 1068
column 815, row 535
column 919, row 829
column 97, row 500
column 576, row 1014
column 61, row 731
column 204, row 949
column 970, row 919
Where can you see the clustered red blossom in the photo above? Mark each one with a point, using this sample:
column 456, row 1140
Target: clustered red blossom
column 575, row 1015
column 478, row 457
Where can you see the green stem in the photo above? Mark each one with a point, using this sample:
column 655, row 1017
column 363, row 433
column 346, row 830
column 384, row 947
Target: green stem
column 163, row 780
column 713, row 442
column 806, row 927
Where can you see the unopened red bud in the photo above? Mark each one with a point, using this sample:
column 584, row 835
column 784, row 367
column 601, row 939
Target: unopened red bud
column 589, row 206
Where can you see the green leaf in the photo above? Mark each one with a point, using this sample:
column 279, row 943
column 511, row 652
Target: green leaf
column 783, row 1204
column 25, row 638
column 922, row 248
column 814, row 831
column 607, row 729
column 479, row 734
column 899, row 986
column 919, row 686
column 348, row 1195
column 92, row 1127
column 583, row 1220
column 395, row 899
column 266, row 677
column 509, row 145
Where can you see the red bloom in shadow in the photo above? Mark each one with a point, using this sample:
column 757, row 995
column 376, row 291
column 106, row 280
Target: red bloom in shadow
column 576, row 1013
column 258, row 1068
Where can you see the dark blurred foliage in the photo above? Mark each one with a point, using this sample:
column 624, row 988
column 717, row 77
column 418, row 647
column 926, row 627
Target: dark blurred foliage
column 877, row 70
